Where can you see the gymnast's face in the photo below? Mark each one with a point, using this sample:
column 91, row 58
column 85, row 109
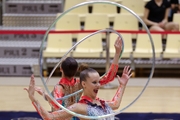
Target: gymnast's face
column 91, row 85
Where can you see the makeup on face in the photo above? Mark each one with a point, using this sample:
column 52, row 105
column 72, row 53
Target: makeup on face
column 95, row 82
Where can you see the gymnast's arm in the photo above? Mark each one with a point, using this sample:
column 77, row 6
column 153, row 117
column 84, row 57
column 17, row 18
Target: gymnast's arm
column 115, row 103
column 114, row 66
column 60, row 114
column 58, row 92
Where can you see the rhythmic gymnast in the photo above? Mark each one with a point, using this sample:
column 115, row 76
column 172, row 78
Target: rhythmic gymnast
column 68, row 84
column 89, row 104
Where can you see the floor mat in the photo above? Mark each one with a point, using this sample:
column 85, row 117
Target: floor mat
column 123, row 116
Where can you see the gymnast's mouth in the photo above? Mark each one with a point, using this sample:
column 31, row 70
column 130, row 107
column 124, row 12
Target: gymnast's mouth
column 96, row 90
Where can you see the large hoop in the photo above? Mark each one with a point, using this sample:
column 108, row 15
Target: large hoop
column 150, row 76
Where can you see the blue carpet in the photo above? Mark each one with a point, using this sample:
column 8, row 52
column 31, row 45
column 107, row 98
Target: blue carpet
column 149, row 116
column 123, row 116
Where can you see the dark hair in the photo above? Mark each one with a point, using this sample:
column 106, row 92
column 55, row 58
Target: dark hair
column 85, row 73
column 69, row 67
column 82, row 67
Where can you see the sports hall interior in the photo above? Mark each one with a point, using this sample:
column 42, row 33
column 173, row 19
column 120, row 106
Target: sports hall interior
column 33, row 39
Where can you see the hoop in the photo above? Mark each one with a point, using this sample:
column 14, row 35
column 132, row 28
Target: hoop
column 150, row 76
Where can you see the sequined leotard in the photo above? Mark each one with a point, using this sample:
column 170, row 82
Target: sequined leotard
column 97, row 110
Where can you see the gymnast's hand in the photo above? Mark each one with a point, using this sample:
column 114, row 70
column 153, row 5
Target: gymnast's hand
column 39, row 90
column 31, row 89
column 125, row 76
column 118, row 45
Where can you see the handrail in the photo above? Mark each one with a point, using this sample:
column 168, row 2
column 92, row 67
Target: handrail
column 80, row 31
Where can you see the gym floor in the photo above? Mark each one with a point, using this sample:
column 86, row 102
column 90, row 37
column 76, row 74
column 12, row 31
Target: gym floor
column 161, row 96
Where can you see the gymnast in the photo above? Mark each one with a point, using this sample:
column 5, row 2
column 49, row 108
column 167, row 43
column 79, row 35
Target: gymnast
column 68, row 84
column 89, row 104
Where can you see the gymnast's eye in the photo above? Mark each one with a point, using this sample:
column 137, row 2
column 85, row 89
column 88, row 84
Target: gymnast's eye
column 95, row 82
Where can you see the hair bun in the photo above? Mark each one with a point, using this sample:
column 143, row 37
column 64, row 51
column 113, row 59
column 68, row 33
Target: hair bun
column 83, row 66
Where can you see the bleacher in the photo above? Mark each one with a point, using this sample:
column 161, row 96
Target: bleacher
column 19, row 52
